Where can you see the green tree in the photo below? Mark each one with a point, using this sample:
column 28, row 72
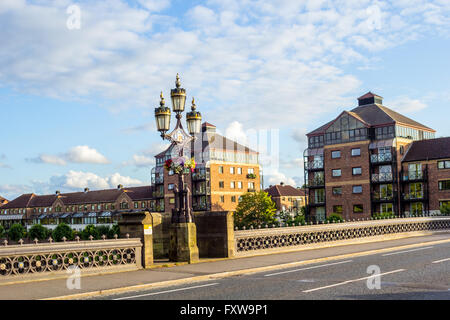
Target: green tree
column 103, row 230
column 445, row 209
column 2, row 232
column 255, row 208
column 38, row 231
column 90, row 230
column 16, row 232
column 115, row 229
column 62, row 230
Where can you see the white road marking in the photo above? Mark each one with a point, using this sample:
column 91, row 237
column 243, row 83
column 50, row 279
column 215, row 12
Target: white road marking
column 437, row 261
column 167, row 291
column 355, row 280
column 307, row 268
column 398, row 252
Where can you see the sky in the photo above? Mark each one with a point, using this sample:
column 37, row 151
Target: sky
column 79, row 80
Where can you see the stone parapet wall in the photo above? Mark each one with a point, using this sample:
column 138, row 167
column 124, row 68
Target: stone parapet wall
column 258, row 241
column 43, row 259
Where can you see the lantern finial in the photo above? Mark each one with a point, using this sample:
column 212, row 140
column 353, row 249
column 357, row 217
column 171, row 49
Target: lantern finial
column 162, row 103
column 177, row 82
column 193, row 104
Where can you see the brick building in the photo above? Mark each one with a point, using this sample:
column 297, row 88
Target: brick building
column 425, row 176
column 353, row 163
column 224, row 171
column 77, row 209
column 286, row 197
column 3, row 201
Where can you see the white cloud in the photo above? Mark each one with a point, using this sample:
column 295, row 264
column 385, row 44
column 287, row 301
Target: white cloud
column 270, row 64
column 84, row 154
column 78, row 154
column 406, row 104
column 140, row 161
column 277, row 178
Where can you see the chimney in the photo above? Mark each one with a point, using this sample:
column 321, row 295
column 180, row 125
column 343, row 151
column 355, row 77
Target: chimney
column 281, row 183
column 57, row 192
column 86, row 190
column 120, row 187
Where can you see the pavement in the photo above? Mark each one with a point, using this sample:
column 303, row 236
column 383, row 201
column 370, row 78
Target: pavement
column 241, row 278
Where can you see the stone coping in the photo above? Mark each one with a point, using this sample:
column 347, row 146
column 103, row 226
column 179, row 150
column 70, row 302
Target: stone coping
column 335, row 226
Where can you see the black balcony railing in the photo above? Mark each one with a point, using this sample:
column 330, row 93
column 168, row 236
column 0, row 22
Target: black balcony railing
column 251, row 190
column 198, row 176
column 314, row 165
column 382, row 197
column 316, row 183
column 382, row 177
column 413, row 176
column 413, row 196
column 382, row 157
column 201, row 206
column 200, row 192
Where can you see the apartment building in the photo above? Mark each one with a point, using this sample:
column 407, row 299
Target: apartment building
column 224, row 171
column 353, row 163
column 287, row 198
column 77, row 209
column 425, row 176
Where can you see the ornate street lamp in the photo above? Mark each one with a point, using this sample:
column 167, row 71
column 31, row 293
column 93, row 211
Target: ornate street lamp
column 179, row 141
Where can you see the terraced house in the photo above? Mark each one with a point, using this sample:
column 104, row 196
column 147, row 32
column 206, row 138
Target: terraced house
column 224, row 171
column 372, row 160
column 77, row 209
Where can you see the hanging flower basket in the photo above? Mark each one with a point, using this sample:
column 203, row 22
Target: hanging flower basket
column 180, row 165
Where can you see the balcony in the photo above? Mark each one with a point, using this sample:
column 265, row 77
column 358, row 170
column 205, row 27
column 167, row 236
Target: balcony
column 198, row 176
column 414, row 176
column 317, row 202
column 314, row 165
column 158, row 194
column 316, row 183
column 382, row 177
column 158, row 180
column 200, row 192
column 377, row 197
column 251, row 190
column 381, row 158
column 413, row 196
column 201, row 206
column 251, row 176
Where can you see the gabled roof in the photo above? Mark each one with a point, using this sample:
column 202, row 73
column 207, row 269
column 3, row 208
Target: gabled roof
column 375, row 115
column 369, row 95
column 323, row 128
column 19, row 202
column 76, row 198
column 285, row 191
column 430, row 149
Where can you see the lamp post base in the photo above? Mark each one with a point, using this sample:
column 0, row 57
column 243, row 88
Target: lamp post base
column 183, row 242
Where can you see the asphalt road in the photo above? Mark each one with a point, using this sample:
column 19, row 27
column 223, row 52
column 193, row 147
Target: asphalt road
column 419, row 273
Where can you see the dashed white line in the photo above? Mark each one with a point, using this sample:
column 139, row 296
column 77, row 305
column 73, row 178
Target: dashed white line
column 398, row 252
column 442, row 260
column 167, row 291
column 307, row 268
column 354, row 280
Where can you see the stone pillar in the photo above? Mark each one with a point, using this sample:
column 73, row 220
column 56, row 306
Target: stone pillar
column 183, row 242
column 139, row 225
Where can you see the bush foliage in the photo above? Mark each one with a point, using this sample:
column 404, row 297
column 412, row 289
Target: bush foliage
column 255, row 208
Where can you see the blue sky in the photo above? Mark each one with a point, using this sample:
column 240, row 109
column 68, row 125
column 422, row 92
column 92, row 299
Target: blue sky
column 77, row 104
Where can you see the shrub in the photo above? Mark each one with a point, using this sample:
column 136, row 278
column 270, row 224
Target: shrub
column 115, row 229
column 334, row 217
column 62, row 230
column 39, row 232
column 90, row 230
column 2, row 231
column 445, row 209
column 103, row 230
column 255, row 208
column 16, row 232
column 384, row 215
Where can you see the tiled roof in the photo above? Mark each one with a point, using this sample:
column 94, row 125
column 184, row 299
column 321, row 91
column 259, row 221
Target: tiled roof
column 375, row 115
column 285, row 191
column 95, row 196
column 428, row 150
column 19, row 202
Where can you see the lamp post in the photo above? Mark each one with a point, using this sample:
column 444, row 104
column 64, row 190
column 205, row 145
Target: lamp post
column 183, row 229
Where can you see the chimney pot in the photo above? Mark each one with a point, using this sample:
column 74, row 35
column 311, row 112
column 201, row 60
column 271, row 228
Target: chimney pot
column 119, row 186
column 86, row 190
